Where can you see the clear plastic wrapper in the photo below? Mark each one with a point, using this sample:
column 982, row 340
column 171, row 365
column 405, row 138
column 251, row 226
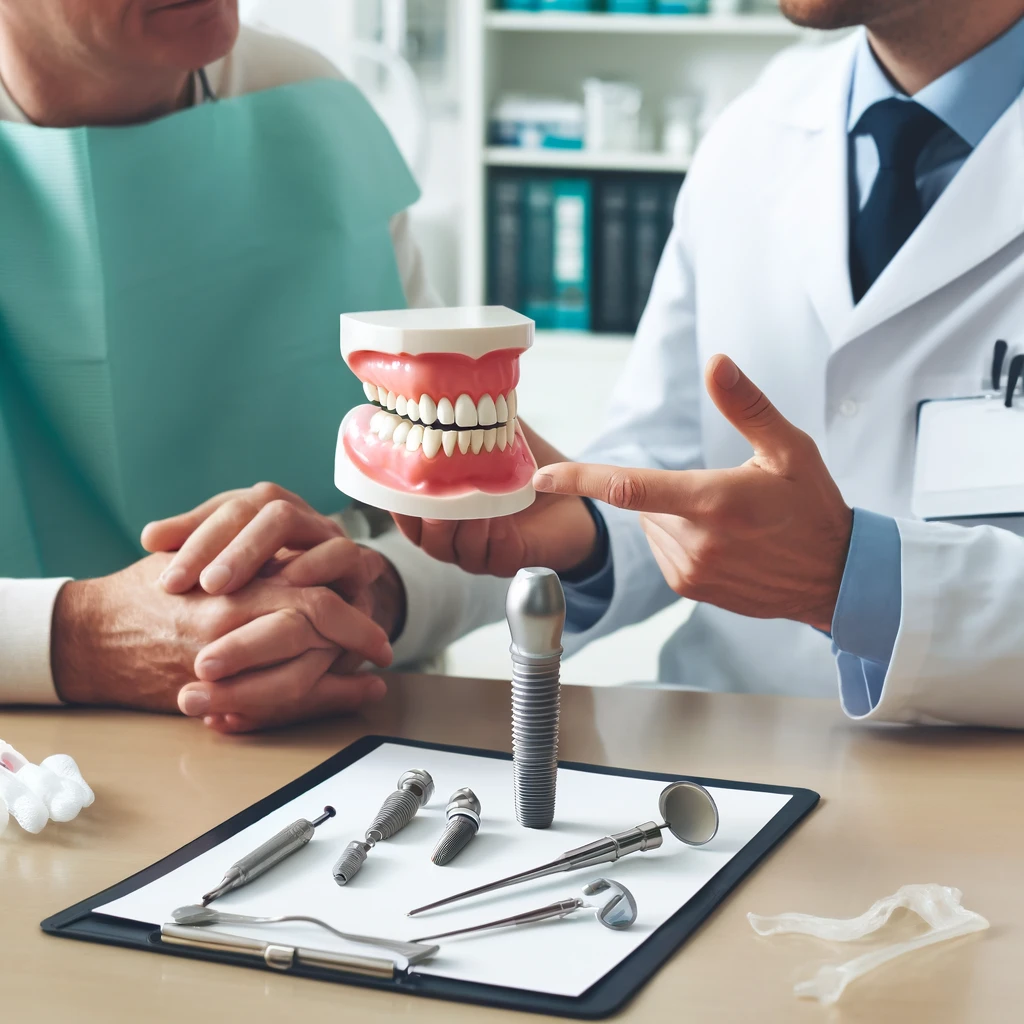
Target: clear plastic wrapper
column 937, row 905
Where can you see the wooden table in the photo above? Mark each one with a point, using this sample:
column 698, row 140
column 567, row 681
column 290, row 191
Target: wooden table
column 898, row 806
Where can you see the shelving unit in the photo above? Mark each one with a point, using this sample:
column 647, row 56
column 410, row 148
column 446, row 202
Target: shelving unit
column 583, row 160
column 643, row 24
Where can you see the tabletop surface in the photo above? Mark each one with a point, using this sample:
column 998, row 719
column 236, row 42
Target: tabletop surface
column 898, row 806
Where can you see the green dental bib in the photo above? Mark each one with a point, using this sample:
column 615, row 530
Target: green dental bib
column 169, row 301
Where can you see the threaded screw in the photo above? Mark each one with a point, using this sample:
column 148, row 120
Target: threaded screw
column 463, row 814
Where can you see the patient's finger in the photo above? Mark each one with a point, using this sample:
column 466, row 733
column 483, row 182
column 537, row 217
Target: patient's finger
column 338, row 561
column 169, row 534
column 336, row 620
column 470, row 545
column 410, row 526
column 267, row 640
column 230, row 565
column 438, row 538
column 276, row 688
column 331, row 695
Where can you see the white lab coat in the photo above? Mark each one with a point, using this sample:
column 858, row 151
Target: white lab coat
column 756, row 267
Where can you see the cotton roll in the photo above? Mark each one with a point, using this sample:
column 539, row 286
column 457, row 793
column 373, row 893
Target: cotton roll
column 65, row 766
column 25, row 807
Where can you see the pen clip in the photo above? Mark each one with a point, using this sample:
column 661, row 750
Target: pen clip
column 998, row 355
column 1012, row 376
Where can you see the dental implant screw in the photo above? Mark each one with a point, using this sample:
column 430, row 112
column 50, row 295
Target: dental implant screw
column 415, row 788
column 535, row 610
column 463, row 814
column 349, row 863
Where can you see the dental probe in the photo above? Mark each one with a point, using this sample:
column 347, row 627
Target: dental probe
column 616, row 910
column 288, row 841
column 689, row 812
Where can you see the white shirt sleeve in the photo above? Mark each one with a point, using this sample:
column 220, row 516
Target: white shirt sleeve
column 442, row 601
column 26, row 613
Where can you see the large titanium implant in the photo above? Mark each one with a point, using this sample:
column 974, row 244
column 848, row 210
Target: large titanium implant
column 535, row 609
column 415, row 788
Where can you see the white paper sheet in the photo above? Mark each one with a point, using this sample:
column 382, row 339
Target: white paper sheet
column 559, row 957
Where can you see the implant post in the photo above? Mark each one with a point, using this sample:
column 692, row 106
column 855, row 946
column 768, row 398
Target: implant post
column 463, row 815
column 415, row 788
column 535, row 610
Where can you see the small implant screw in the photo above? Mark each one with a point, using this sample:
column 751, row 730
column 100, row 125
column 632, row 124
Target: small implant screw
column 415, row 788
column 463, row 814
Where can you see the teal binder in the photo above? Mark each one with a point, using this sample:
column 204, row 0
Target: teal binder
column 571, row 263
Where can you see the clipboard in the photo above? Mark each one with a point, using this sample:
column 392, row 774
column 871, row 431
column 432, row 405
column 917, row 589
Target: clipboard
column 605, row 997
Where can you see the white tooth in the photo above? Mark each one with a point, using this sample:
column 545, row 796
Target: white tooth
column 513, row 404
column 486, row 412
column 428, row 409
column 388, row 427
column 392, row 399
column 412, row 410
column 465, row 411
column 431, row 442
column 501, row 441
column 401, row 433
column 490, row 437
column 415, row 438
column 449, row 441
column 510, row 431
column 382, row 395
column 401, row 405
column 375, row 421
column 478, row 441
column 501, row 409
column 370, row 391
column 465, row 436
column 446, row 412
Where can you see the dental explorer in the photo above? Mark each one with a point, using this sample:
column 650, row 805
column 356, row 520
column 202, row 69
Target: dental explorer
column 616, row 911
column 288, row 841
column 535, row 610
column 463, row 822
column 688, row 810
column 415, row 788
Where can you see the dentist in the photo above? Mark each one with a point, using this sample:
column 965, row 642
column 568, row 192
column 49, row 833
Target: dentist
column 851, row 236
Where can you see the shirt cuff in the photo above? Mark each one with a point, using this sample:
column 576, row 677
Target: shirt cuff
column 587, row 599
column 26, row 618
column 868, row 609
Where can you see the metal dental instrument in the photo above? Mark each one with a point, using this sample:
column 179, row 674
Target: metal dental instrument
column 197, row 916
column 463, row 814
column 288, row 841
column 689, row 813
column 415, row 788
column 535, row 610
column 617, row 910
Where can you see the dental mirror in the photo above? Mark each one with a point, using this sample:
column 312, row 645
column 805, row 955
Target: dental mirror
column 689, row 812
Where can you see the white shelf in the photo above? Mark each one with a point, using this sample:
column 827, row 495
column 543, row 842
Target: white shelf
column 583, row 159
column 642, row 24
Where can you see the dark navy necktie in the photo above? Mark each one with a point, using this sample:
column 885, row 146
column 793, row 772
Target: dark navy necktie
column 901, row 129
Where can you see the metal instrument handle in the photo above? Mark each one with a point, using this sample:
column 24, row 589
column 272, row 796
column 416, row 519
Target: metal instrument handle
column 275, row 850
column 559, row 909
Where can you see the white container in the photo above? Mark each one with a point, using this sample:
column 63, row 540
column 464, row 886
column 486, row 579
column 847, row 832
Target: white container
column 680, row 129
column 611, row 115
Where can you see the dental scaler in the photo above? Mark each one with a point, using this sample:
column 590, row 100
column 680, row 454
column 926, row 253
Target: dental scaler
column 535, row 609
column 287, row 842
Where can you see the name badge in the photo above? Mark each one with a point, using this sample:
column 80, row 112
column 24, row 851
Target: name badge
column 969, row 460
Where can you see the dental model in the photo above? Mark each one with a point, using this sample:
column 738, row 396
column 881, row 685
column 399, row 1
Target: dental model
column 439, row 436
column 34, row 794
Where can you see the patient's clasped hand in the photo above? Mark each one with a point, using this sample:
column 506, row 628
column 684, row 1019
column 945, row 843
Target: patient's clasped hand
column 34, row 794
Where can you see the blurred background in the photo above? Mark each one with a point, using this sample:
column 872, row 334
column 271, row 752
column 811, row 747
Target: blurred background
column 549, row 139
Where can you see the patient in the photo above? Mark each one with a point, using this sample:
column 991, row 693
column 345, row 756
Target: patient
column 168, row 331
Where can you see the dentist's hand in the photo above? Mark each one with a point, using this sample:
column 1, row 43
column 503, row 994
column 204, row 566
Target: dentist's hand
column 556, row 531
column 768, row 539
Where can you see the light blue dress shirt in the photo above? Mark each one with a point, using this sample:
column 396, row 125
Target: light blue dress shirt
column 969, row 100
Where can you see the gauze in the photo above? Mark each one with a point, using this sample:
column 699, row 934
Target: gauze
column 937, row 905
column 35, row 793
